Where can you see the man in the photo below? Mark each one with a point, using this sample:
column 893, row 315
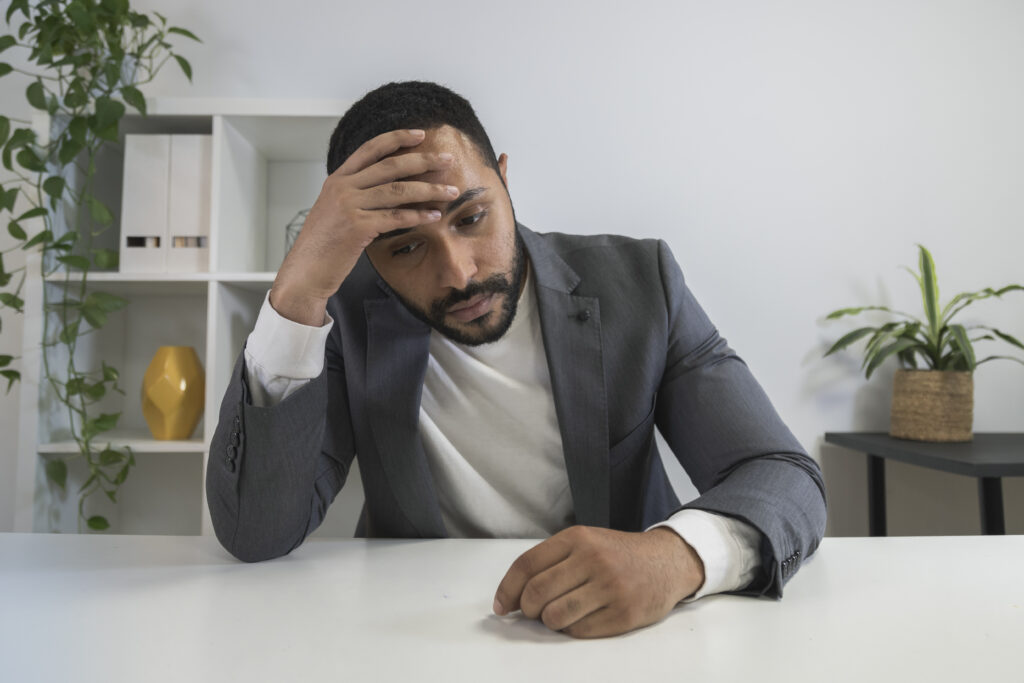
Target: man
column 494, row 381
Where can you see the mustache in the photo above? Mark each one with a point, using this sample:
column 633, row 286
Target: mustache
column 495, row 284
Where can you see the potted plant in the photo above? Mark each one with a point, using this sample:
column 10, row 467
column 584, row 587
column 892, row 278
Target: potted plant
column 936, row 401
column 88, row 59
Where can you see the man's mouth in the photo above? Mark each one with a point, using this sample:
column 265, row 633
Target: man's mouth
column 472, row 309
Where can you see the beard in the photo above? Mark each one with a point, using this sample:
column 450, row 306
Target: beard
column 489, row 327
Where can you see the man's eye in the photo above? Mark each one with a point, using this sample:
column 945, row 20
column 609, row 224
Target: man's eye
column 474, row 218
column 407, row 249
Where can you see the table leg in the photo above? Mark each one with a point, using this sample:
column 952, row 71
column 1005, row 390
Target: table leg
column 990, row 495
column 876, row 495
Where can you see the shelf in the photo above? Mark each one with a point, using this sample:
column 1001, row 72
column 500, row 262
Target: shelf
column 139, row 442
column 168, row 283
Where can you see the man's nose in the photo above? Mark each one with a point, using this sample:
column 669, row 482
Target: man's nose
column 456, row 263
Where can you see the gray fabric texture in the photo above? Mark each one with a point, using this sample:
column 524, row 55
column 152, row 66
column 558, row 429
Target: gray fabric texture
column 629, row 350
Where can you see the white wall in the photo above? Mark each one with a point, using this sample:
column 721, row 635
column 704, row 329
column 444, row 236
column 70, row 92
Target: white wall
column 791, row 153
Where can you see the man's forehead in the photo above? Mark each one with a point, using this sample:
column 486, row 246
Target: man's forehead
column 468, row 160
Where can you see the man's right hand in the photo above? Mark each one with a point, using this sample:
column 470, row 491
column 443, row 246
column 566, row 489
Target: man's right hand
column 362, row 199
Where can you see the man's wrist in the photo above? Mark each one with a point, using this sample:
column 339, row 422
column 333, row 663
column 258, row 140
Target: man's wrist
column 298, row 307
column 688, row 577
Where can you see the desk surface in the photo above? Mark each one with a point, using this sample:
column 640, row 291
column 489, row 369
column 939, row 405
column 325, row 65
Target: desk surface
column 994, row 454
column 147, row 608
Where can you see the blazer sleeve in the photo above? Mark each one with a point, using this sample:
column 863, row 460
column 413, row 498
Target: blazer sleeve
column 273, row 472
column 723, row 429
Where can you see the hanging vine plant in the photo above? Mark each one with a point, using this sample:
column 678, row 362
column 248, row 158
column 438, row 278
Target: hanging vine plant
column 88, row 59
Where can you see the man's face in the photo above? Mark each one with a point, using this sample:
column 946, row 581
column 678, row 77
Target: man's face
column 463, row 273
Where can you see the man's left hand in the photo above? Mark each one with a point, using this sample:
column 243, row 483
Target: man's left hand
column 591, row 582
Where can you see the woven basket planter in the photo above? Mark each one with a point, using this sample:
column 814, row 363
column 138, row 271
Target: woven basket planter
column 931, row 405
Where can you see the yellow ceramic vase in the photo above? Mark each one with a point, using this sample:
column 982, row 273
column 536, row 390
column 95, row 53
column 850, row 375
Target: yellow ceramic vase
column 173, row 392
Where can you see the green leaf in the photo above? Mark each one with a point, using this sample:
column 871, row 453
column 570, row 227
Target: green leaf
column 108, row 113
column 41, row 237
column 103, row 423
column 36, row 95
column 78, row 128
column 929, row 289
column 69, row 333
column 110, row 374
column 6, row 42
column 75, row 261
column 16, row 230
column 111, row 457
column 848, row 339
column 185, row 66
column 854, row 311
column 122, row 475
column 8, row 198
column 881, row 335
column 57, row 472
column 98, row 523
column 961, row 340
column 986, row 359
column 1004, row 336
column 17, row 5
column 94, row 316
column 5, row 360
column 5, row 129
column 106, row 259
column 74, row 386
column 69, row 149
column 183, row 32
column 28, row 160
column 111, row 495
column 108, row 303
column 12, row 376
column 96, row 391
column 134, row 97
column 5, row 69
column 54, row 186
column 12, row 300
column 895, row 347
column 99, row 212
column 33, row 213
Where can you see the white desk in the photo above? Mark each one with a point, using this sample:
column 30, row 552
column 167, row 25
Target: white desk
column 138, row 608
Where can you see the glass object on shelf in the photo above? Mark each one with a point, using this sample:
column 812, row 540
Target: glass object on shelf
column 291, row 231
column 173, row 393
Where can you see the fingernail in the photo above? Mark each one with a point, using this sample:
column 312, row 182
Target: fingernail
column 498, row 608
column 445, row 156
column 434, row 215
column 417, row 132
column 452, row 190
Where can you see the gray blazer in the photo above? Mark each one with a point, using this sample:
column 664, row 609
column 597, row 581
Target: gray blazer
column 628, row 348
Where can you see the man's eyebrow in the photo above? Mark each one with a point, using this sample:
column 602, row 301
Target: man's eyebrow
column 454, row 204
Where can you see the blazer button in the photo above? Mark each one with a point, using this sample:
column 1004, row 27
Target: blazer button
column 583, row 316
column 229, row 465
column 234, row 438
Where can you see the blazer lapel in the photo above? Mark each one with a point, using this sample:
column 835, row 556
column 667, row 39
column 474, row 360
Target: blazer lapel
column 396, row 362
column 571, row 328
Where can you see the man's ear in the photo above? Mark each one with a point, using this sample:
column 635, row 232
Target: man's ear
column 503, row 167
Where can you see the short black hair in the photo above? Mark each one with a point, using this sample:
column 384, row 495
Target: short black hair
column 407, row 104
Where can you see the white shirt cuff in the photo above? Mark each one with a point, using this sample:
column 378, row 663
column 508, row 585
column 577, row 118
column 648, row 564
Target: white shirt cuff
column 728, row 547
column 281, row 355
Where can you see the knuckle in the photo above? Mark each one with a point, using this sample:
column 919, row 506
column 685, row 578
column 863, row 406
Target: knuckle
column 396, row 187
column 553, row 617
column 396, row 214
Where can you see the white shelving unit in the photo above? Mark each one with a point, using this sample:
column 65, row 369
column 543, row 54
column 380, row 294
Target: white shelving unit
column 268, row 162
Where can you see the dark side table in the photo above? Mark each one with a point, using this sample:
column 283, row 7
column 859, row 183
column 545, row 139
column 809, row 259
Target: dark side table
column 989, row 457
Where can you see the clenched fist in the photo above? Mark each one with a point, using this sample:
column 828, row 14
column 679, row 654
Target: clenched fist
column 591, row 582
